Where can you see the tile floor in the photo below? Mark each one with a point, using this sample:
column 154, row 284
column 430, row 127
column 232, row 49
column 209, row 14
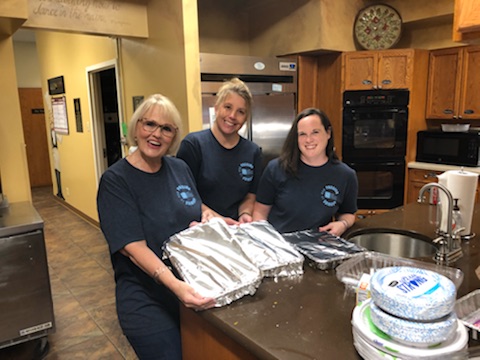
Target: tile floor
column 82, row 284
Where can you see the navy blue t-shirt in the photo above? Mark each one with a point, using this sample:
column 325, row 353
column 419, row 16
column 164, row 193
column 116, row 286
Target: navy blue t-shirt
column 309, row 200
column 224, row 176
column 135, row 205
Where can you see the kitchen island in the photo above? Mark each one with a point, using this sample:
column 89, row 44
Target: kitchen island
column 307, row 317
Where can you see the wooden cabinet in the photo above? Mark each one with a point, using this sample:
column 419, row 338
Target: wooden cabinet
column 466, row 21
column 419, row 177
column 454, row 84
column 388, row 69
column 416, row 179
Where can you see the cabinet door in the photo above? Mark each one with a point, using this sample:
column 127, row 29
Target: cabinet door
column 360, row 71
column 469, row 107
column 443, row 83
column 395, row 69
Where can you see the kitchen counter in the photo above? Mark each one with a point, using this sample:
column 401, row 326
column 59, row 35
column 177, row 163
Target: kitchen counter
column 308, row 317
column 441, row 167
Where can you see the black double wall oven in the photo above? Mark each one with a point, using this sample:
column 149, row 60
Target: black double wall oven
column 374, row 144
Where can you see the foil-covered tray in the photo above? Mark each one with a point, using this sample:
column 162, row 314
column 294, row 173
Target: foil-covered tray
column 323, row 250
column 229, row 262
column 267, row 249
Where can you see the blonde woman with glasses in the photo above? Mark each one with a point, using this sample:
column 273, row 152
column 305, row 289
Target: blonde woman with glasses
column 142, row 200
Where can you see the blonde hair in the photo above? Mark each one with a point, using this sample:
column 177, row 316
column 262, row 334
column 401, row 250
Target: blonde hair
column 236, row 86
column 168, row 109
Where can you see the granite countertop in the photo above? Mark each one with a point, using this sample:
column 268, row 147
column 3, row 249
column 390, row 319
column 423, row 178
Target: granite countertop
column 310, row 317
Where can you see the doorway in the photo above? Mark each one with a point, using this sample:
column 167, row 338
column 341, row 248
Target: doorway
column 106, row 115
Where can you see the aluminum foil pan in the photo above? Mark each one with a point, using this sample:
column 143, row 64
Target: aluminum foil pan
column 323, row 250
column 210, row 259
column 268, row 250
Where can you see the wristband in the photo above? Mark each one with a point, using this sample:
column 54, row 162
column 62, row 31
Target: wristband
column 159, row 271
column 344, row 223
column 244, row 213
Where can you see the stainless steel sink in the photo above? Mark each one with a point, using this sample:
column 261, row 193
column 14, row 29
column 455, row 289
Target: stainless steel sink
column 394, row 242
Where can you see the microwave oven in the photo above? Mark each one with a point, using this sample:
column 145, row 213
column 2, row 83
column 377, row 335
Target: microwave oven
column 452, row 148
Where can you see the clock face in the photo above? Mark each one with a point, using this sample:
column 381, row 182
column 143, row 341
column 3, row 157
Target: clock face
column 377, row 27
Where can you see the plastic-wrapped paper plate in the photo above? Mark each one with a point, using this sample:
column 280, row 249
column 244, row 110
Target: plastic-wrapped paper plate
column 323, row 250
column 455, row 346
column 412, row 293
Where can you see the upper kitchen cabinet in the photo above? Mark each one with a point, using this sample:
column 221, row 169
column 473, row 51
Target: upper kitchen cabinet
column 453, row 84
column 466, row 21
column 386, row 69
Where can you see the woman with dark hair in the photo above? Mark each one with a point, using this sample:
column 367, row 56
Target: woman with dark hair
column 307, row 186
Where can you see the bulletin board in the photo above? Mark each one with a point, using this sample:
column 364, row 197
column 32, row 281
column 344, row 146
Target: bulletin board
column 59, row 110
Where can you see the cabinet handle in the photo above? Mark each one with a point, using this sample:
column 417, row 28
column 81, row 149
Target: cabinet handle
column 367, row 82
column 469, row 111
column 430, row 175
column 448, row 111
column 386, row 82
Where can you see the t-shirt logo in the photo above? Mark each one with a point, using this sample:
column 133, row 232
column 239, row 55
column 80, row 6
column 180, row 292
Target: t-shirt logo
column 246, row 171
column 185, row 194
column 329, row 195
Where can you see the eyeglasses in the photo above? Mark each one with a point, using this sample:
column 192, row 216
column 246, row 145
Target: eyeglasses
column 151, row 126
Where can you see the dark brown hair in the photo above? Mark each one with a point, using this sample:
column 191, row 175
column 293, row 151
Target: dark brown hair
column 290, row 154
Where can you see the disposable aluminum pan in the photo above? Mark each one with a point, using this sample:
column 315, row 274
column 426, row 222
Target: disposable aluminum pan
column 267, row 249
column 228, row 262
column 210, row 259
column 323, row 250
column 468, row 311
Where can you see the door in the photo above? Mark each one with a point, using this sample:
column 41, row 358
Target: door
column 104, row 101
column 373, row 133
column 469, row 107
column 394, row 69
column 360, row 70
column 380, row 185
column 444, row 78
column 35, row 135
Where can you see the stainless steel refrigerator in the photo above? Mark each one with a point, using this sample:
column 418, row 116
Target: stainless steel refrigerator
column 273, row 83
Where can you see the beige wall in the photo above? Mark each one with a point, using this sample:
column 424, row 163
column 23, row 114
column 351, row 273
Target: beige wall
column 13, row 157
column 27, row 66
column 69, row 55
column 167, row 62
column 263, row 28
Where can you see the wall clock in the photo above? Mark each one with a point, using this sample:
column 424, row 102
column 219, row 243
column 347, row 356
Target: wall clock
column 377, row 27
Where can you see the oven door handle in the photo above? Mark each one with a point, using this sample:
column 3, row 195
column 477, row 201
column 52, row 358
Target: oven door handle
column 376, row 110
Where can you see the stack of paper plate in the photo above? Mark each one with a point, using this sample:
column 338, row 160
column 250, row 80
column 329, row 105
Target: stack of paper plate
column 372, row 343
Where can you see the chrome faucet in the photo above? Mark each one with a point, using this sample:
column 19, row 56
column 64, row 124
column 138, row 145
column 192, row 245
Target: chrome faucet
column 450, row 249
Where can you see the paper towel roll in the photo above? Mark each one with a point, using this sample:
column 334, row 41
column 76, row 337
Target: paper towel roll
column 463, row 185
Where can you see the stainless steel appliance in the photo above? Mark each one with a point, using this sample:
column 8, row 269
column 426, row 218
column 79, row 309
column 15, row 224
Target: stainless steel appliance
column 273, row 83
column 26, row 305
column 453, row 148
column 374, row 144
